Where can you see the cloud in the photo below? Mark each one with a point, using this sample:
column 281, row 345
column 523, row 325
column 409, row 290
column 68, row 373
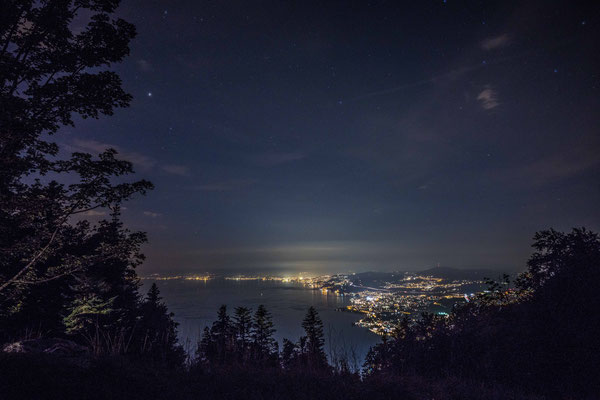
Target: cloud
column 488, row 98
column 144, row 65
column 226, row 186
column 94, row 213
column 273, row 159
column 174, row 169
column 92, row 146
column 152, row 214
column 562, row 165
column 495, row 42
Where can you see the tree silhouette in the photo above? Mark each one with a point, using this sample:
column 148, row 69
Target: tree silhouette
column 530, row 337
column 242, row 325
column 222, row 335
column 205, row 352
column 49, row 72
column 315, row 340
column 264, row 346
column 158, row 336
column 289, row 354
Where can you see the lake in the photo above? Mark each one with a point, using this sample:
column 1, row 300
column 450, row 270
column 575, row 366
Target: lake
column 195, row 304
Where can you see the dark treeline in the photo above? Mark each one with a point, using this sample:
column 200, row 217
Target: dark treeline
column 74, row 324
column 246, row 341
column 538, row 333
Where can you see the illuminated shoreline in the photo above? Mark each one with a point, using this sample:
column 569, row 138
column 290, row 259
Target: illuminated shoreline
column 382, row 308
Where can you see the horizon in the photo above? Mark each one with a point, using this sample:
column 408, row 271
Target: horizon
column 283, row 272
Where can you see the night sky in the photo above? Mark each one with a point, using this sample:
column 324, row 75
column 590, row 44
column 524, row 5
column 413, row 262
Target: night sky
column 355, row 135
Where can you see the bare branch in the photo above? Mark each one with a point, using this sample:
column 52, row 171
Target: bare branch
column 32, row 262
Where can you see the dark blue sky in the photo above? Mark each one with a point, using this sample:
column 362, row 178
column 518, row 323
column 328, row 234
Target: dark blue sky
column 356, row 135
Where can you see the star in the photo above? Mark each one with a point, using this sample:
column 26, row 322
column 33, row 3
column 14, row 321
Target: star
column 149, row 94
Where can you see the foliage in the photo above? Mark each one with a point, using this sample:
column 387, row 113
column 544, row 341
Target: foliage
column 539, row 336
column 247, row 341
column 85, row 314
column 265, row 350
column 59, row 273
column 308, row 353
column 157, row 337
column 51, row 71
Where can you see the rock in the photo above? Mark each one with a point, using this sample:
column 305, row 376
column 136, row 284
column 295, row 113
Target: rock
column 46, row 345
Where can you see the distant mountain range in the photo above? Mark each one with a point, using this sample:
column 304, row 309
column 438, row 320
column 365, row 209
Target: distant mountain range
column 456, row 273
column 377, row 279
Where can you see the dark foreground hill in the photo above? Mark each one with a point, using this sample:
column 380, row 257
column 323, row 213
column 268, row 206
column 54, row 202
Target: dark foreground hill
column 26, row 377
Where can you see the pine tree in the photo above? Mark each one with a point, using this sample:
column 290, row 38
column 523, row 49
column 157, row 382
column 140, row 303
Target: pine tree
column 315, row 340
column 158, row 337
column 205, row 352
column 242, row 325
column 153, row 295
column 265, row 347
column 222, row 335
column 289, row 354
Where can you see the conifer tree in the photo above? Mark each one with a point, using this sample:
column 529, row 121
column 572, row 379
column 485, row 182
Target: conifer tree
column 205, row 352
column 288, row 354
column 222, row 335
column 242, row 325
column 315, row 340
column 265, row 347
column 158, row 336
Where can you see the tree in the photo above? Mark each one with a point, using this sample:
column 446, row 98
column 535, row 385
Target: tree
column 158, row 336
column 242, row 325
column 315, row 339
column 540, row 337
column 264, row 346
column 289, row 354
column 104, row 292
column 222, row 335
column 205, row 352
column 48, row 74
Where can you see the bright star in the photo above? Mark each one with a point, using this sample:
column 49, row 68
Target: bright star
column 149, row 94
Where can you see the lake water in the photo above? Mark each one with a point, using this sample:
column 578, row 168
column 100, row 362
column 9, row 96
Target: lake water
column 195, row 304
